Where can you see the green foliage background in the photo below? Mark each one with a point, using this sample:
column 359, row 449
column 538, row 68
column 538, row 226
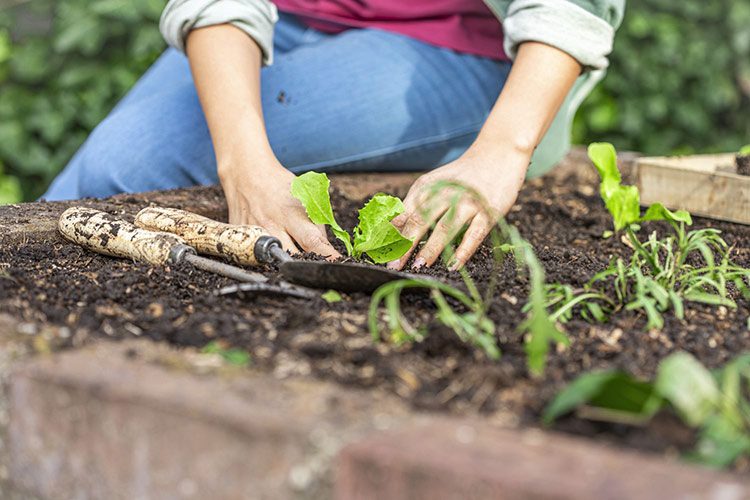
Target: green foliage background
column 679, row 81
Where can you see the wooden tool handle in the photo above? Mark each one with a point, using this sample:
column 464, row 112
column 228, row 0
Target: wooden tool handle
column 205, row 235
column 106, row 234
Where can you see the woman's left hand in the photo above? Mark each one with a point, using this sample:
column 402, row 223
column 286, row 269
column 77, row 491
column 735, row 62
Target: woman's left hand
column 496, row 176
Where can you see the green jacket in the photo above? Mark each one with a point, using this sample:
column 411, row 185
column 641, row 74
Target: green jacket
column 583, row 28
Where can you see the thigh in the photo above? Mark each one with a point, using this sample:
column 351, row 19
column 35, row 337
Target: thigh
column 373, row 100
column 157, row 136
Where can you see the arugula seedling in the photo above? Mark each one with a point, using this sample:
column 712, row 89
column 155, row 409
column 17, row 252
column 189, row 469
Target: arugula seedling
column 375, row 236
column 661, row 274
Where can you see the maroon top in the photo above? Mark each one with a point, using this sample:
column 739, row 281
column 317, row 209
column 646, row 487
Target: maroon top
column 462, row 25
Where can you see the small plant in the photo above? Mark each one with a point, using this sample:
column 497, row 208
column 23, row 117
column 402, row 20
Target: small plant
column 744, row 150
column 375, row 236
column 467, row 316
column 663, row 273
column 714, row 403
column 236, row 357
column 332, row 296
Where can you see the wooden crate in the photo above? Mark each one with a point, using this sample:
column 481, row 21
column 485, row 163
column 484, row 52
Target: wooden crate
column 705, row 185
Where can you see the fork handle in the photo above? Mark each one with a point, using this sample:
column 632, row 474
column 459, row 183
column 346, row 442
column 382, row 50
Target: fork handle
column 207, row 236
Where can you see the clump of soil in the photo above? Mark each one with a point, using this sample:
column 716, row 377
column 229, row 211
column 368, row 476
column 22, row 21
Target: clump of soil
column 58, row 282
column 743, row 164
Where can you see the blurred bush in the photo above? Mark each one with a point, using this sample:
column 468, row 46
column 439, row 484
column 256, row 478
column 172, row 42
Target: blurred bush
column 63, row 65
column 679, row 81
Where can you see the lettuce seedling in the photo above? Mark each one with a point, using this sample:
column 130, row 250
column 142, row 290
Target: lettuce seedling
column 375, row 236
column 623, row 202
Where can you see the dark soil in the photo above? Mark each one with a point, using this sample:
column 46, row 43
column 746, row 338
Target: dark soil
column 743, row 164
column 94, row 296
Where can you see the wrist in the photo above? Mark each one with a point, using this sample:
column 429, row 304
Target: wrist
column 502, row 146
column 246, row 163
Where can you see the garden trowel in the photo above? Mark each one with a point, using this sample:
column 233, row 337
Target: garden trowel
column 106, row 234
column 253, row 246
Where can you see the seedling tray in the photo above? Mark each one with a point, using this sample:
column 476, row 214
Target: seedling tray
column 706, row 185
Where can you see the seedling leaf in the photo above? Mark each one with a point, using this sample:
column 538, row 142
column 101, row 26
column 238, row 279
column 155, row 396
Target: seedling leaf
column 657, row 211
column 236, row 357
column 375, row 235
column 689, row 387
column 623, row 202
column 311, row 189
column 745, row 150
column 332, row 296
column 620, row 395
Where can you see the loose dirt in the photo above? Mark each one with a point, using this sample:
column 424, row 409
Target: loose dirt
column 95, row 296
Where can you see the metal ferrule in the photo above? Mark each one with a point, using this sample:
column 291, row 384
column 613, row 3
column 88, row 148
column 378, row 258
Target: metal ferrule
column 269, row 250
column 178, row 253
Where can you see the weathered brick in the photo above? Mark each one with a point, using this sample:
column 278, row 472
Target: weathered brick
column 451, row 459
column 130, row 420
column 87, row 427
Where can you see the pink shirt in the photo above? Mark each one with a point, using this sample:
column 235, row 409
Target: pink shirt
column 462, row 25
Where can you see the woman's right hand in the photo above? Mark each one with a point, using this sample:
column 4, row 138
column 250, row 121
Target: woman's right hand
column 260, row 194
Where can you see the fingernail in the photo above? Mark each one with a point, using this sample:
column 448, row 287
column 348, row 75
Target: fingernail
column 418, row 263
column 394, row 265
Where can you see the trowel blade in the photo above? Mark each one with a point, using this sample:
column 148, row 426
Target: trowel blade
column 343, row 277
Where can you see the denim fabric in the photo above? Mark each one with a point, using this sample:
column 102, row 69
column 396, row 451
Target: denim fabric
column 362, row 100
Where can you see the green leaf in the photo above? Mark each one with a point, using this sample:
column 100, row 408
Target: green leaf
column 657, row 211
column 711, row 299
column 689, row 387
column 745, row 150
column 623, row 202
column 236, row 357
column 375, row 235
column 332, row 296
column 622, row 396
column 311, row 189
column 604, row 157
column 721, row 443
column 624, row 205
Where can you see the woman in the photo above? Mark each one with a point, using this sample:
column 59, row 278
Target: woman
column 346, row 85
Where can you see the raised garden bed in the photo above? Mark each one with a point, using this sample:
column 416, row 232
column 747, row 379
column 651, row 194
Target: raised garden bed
column 45, row 279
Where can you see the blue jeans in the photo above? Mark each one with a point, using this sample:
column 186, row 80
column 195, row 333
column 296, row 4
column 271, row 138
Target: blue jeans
column 361, row 100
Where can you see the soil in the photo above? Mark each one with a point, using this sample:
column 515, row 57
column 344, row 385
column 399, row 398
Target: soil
column 743, row 164
column 95, row 296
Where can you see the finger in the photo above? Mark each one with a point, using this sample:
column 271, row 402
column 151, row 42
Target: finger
column 313, row 239
column 449, row 225
column 413, row 226
column 478, row 230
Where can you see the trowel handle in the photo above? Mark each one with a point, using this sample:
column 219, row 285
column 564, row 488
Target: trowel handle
column 205, row 235
column 106, row 234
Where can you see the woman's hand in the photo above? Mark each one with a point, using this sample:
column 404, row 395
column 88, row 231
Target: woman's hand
column 495, row 166
column 496, row 177
column 226, row 69
column 261, row 195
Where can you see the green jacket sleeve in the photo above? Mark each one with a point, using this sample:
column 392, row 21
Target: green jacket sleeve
column 585, row 29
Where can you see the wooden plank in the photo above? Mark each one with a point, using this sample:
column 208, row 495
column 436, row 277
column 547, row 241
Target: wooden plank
column 705, row 185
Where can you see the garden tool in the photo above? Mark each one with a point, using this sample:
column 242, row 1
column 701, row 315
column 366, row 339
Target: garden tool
column 106, row 234
column 253, row 246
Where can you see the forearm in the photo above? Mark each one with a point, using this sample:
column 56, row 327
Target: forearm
column 226, row 69
column 541, row 78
